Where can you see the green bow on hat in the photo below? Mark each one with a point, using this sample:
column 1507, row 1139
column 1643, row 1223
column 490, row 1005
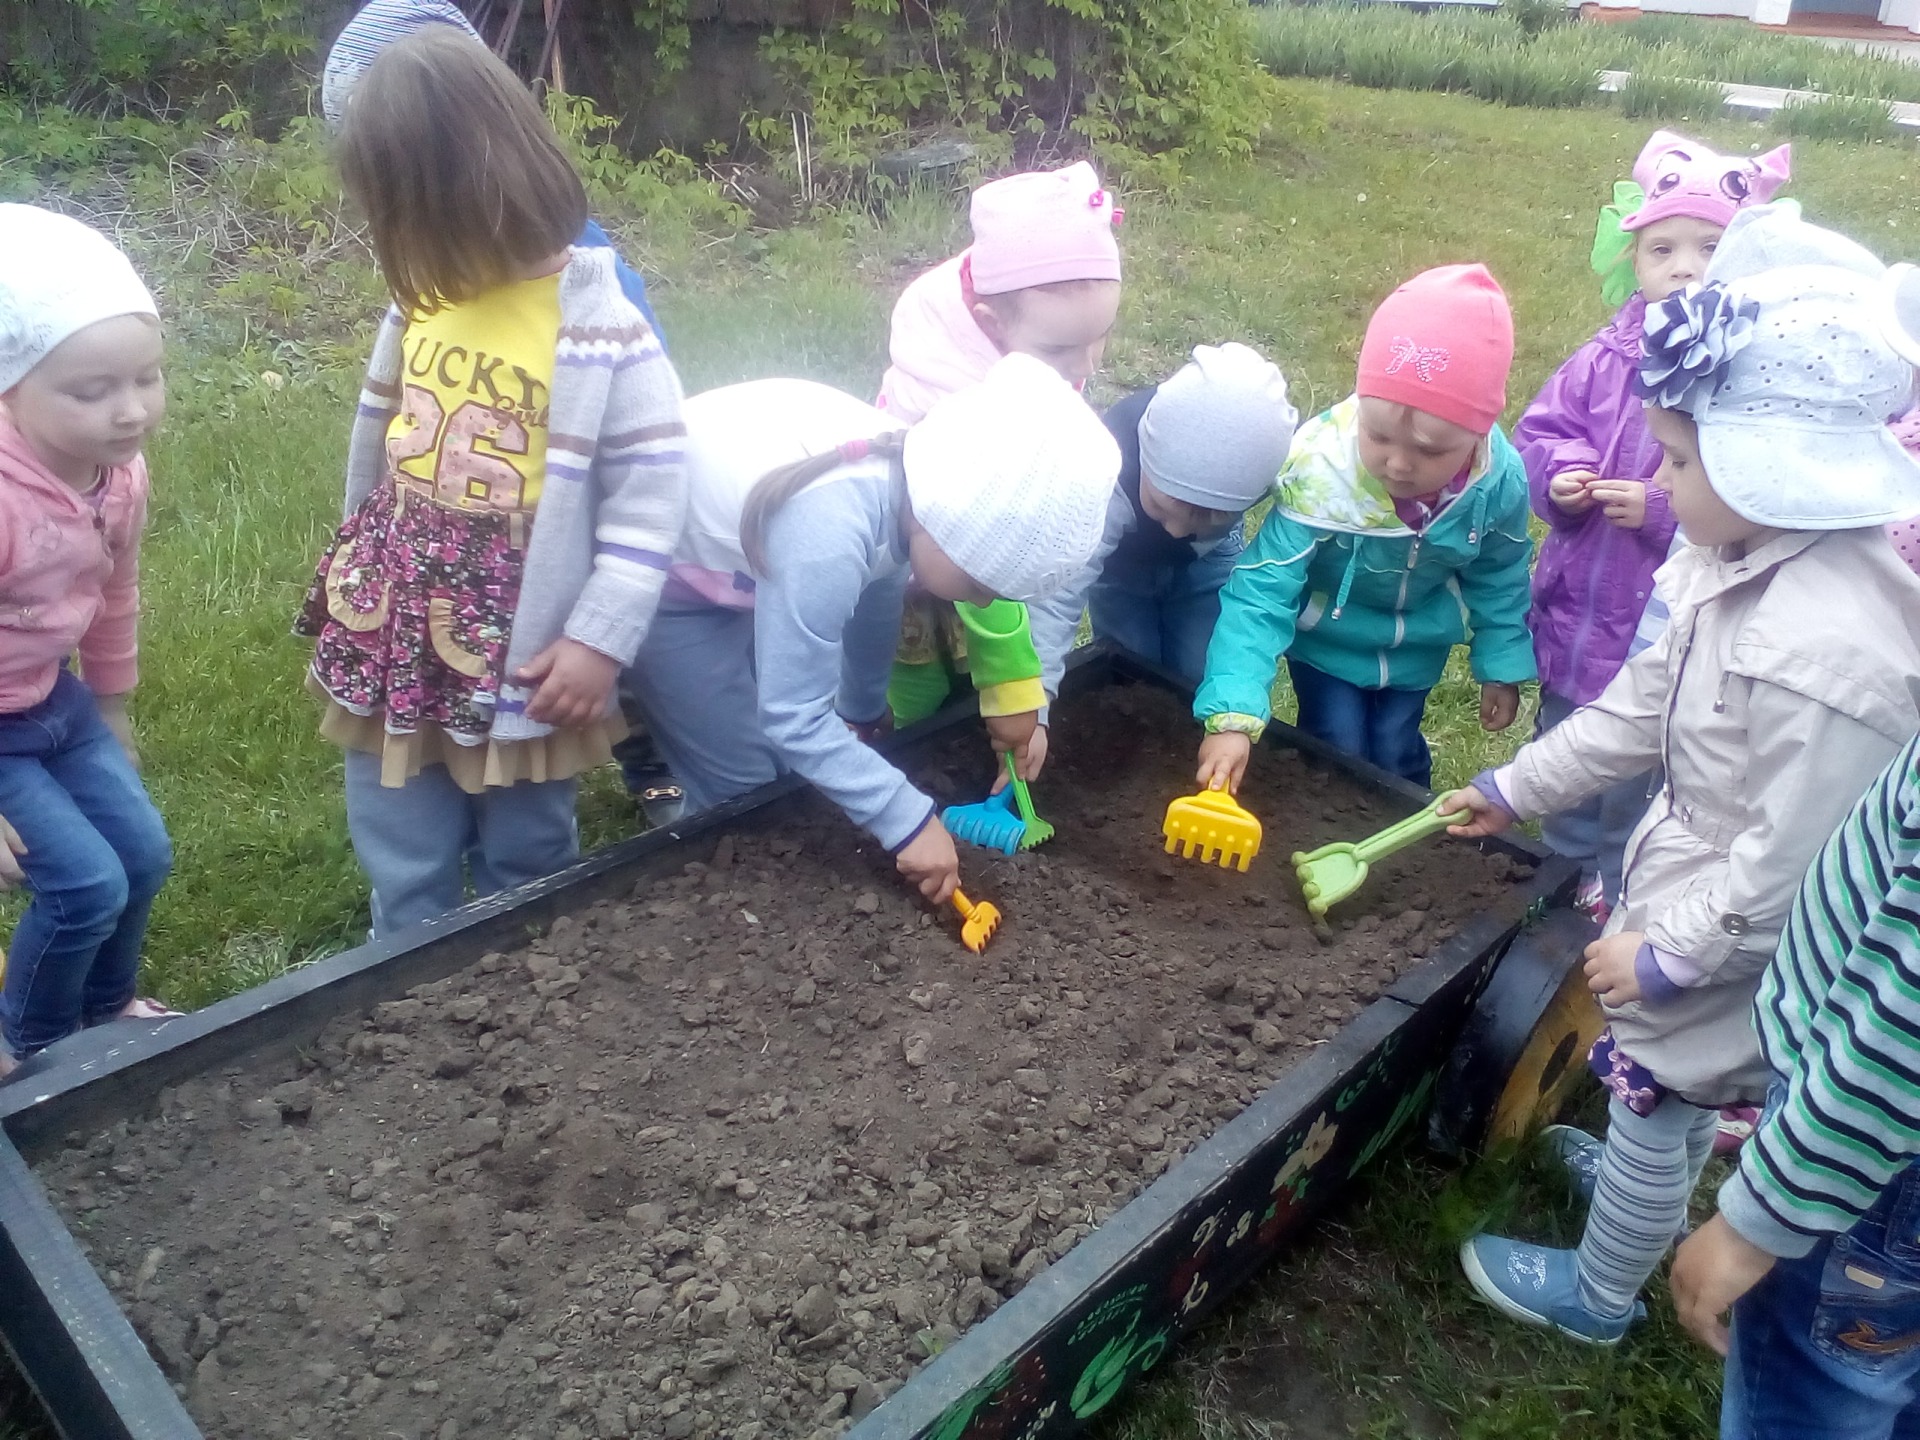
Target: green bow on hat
column 1613, row 247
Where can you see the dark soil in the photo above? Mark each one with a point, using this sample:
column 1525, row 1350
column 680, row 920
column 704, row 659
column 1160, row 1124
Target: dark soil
column 736, row 1155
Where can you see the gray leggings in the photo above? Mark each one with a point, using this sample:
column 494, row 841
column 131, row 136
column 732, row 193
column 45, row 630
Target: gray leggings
column 1647, row 1174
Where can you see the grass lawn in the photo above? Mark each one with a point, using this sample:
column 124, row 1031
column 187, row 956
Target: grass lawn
column 1355, row 190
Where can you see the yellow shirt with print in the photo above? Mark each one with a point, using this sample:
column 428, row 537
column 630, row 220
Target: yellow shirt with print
column 476, row 379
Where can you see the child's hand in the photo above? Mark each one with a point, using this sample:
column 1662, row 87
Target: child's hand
column 1623, row 502
column 872, row 731
column 1499, row 705
column 1569, row 491
column 113, row 710
column 1012, row 734
column 1223, row 761
column 1027, row 763
column 1714, row 1268
column 930, row 862
column 1610, row 967
column 12, row 847
column 576, row 683
column 1473, row 814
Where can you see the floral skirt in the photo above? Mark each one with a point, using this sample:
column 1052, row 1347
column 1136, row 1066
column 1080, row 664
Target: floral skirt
column 411, row 609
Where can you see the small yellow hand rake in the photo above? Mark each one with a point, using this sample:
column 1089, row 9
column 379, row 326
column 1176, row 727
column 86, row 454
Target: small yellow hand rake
column 1211, row 827
column 978, row 922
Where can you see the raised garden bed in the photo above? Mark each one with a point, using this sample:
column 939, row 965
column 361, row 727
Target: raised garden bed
column 743, row 1138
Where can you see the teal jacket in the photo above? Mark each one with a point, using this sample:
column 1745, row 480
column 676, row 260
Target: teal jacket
column 1336, row 580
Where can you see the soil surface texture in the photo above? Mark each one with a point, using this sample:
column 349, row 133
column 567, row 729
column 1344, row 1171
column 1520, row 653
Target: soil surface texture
column 733, row 1156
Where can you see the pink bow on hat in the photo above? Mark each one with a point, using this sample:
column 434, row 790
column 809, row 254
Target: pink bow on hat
column 1684, row 177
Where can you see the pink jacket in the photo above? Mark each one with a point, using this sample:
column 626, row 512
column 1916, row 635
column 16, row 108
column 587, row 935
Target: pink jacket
column 936, row 345
column 69, row 575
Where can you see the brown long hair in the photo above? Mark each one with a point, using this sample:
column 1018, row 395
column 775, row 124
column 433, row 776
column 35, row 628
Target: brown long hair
column 462, row 179
column 775, row 488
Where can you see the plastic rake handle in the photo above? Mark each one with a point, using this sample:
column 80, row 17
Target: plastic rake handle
column 1038, row 831
column 1397, row 837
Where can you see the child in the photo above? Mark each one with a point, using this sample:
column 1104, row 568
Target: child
column 1399, row 530
column 80, row 391
column 514, row 490
column 375, row 26
column 1196, row 451
column 809, row 516
column 1042, row 278
column 1589, row 457
column 1813, row 1243
column 1776, row 693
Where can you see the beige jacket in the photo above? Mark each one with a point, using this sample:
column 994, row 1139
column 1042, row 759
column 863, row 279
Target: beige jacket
column 1777, row 695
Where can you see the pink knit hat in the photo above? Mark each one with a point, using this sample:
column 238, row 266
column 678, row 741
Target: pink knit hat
column 1684, row 177
column 1442, row 343
column 1041, row 227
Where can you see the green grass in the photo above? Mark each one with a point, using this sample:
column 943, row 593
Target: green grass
column 1494, row 58
column 1434, row 1361
column 1354, row 191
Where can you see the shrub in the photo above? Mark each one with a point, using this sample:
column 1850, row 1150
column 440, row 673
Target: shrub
column 1669, row 97
column 1839, row 117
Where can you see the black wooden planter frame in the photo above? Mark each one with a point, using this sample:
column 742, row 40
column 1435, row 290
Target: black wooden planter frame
column 1041, row 1365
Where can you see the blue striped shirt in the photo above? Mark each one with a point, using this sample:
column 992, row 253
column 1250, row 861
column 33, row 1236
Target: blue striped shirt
column 1839, row 1022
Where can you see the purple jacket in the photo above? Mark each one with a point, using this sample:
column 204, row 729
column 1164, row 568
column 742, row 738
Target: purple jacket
column 1593, row 579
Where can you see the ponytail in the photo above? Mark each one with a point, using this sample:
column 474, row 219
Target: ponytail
column 775, row 488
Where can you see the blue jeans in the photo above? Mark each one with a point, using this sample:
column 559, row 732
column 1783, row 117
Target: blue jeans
column 1827, row 1347
column 1594, row 833
column 97, row 854
column 1382, row 726
column 1165, row 614
column 418, row 841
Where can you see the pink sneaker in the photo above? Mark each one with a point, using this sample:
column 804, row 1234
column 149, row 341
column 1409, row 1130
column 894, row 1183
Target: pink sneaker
column 1736, row 1128
column 1591, row 900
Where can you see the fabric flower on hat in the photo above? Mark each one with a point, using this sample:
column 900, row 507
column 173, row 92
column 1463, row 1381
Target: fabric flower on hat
column 1689, row 340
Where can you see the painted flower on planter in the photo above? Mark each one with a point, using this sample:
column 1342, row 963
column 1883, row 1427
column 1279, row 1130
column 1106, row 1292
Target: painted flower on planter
column 1688, row 341
column 1126, row 1355
column 1312, row 1150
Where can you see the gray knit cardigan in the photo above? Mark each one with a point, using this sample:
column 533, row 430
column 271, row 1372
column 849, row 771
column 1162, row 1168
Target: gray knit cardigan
column 615, row 495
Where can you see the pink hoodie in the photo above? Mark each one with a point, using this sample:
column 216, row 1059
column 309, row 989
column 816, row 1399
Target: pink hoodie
column 69, row 575
column 936, row 345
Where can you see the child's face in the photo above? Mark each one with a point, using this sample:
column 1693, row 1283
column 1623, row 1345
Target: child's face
column 934, row 573
column 1181, row 520
column 94, row 399
column 1704, row 517
column 1671, row 254
column 1064, row 325
column 1410, row 452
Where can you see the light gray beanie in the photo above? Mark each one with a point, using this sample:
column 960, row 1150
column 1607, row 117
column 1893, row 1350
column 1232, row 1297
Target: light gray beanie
column 1217, row 433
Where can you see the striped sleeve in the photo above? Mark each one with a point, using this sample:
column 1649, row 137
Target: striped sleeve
column 1839, row 1018
column 638, row 463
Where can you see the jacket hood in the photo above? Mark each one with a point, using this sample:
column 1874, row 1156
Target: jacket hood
column 1622, row 333
column 1324, row 484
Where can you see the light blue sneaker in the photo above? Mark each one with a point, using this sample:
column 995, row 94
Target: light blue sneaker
column 1539, row 1286
column 1579, row 1154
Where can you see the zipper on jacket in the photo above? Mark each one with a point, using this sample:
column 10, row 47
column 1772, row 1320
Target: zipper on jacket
column 1406, row 577
column 1346, row 581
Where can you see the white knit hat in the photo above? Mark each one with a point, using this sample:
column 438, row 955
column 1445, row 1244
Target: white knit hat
column 1217, row 433
column 1012, row 477
column 57, row 276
